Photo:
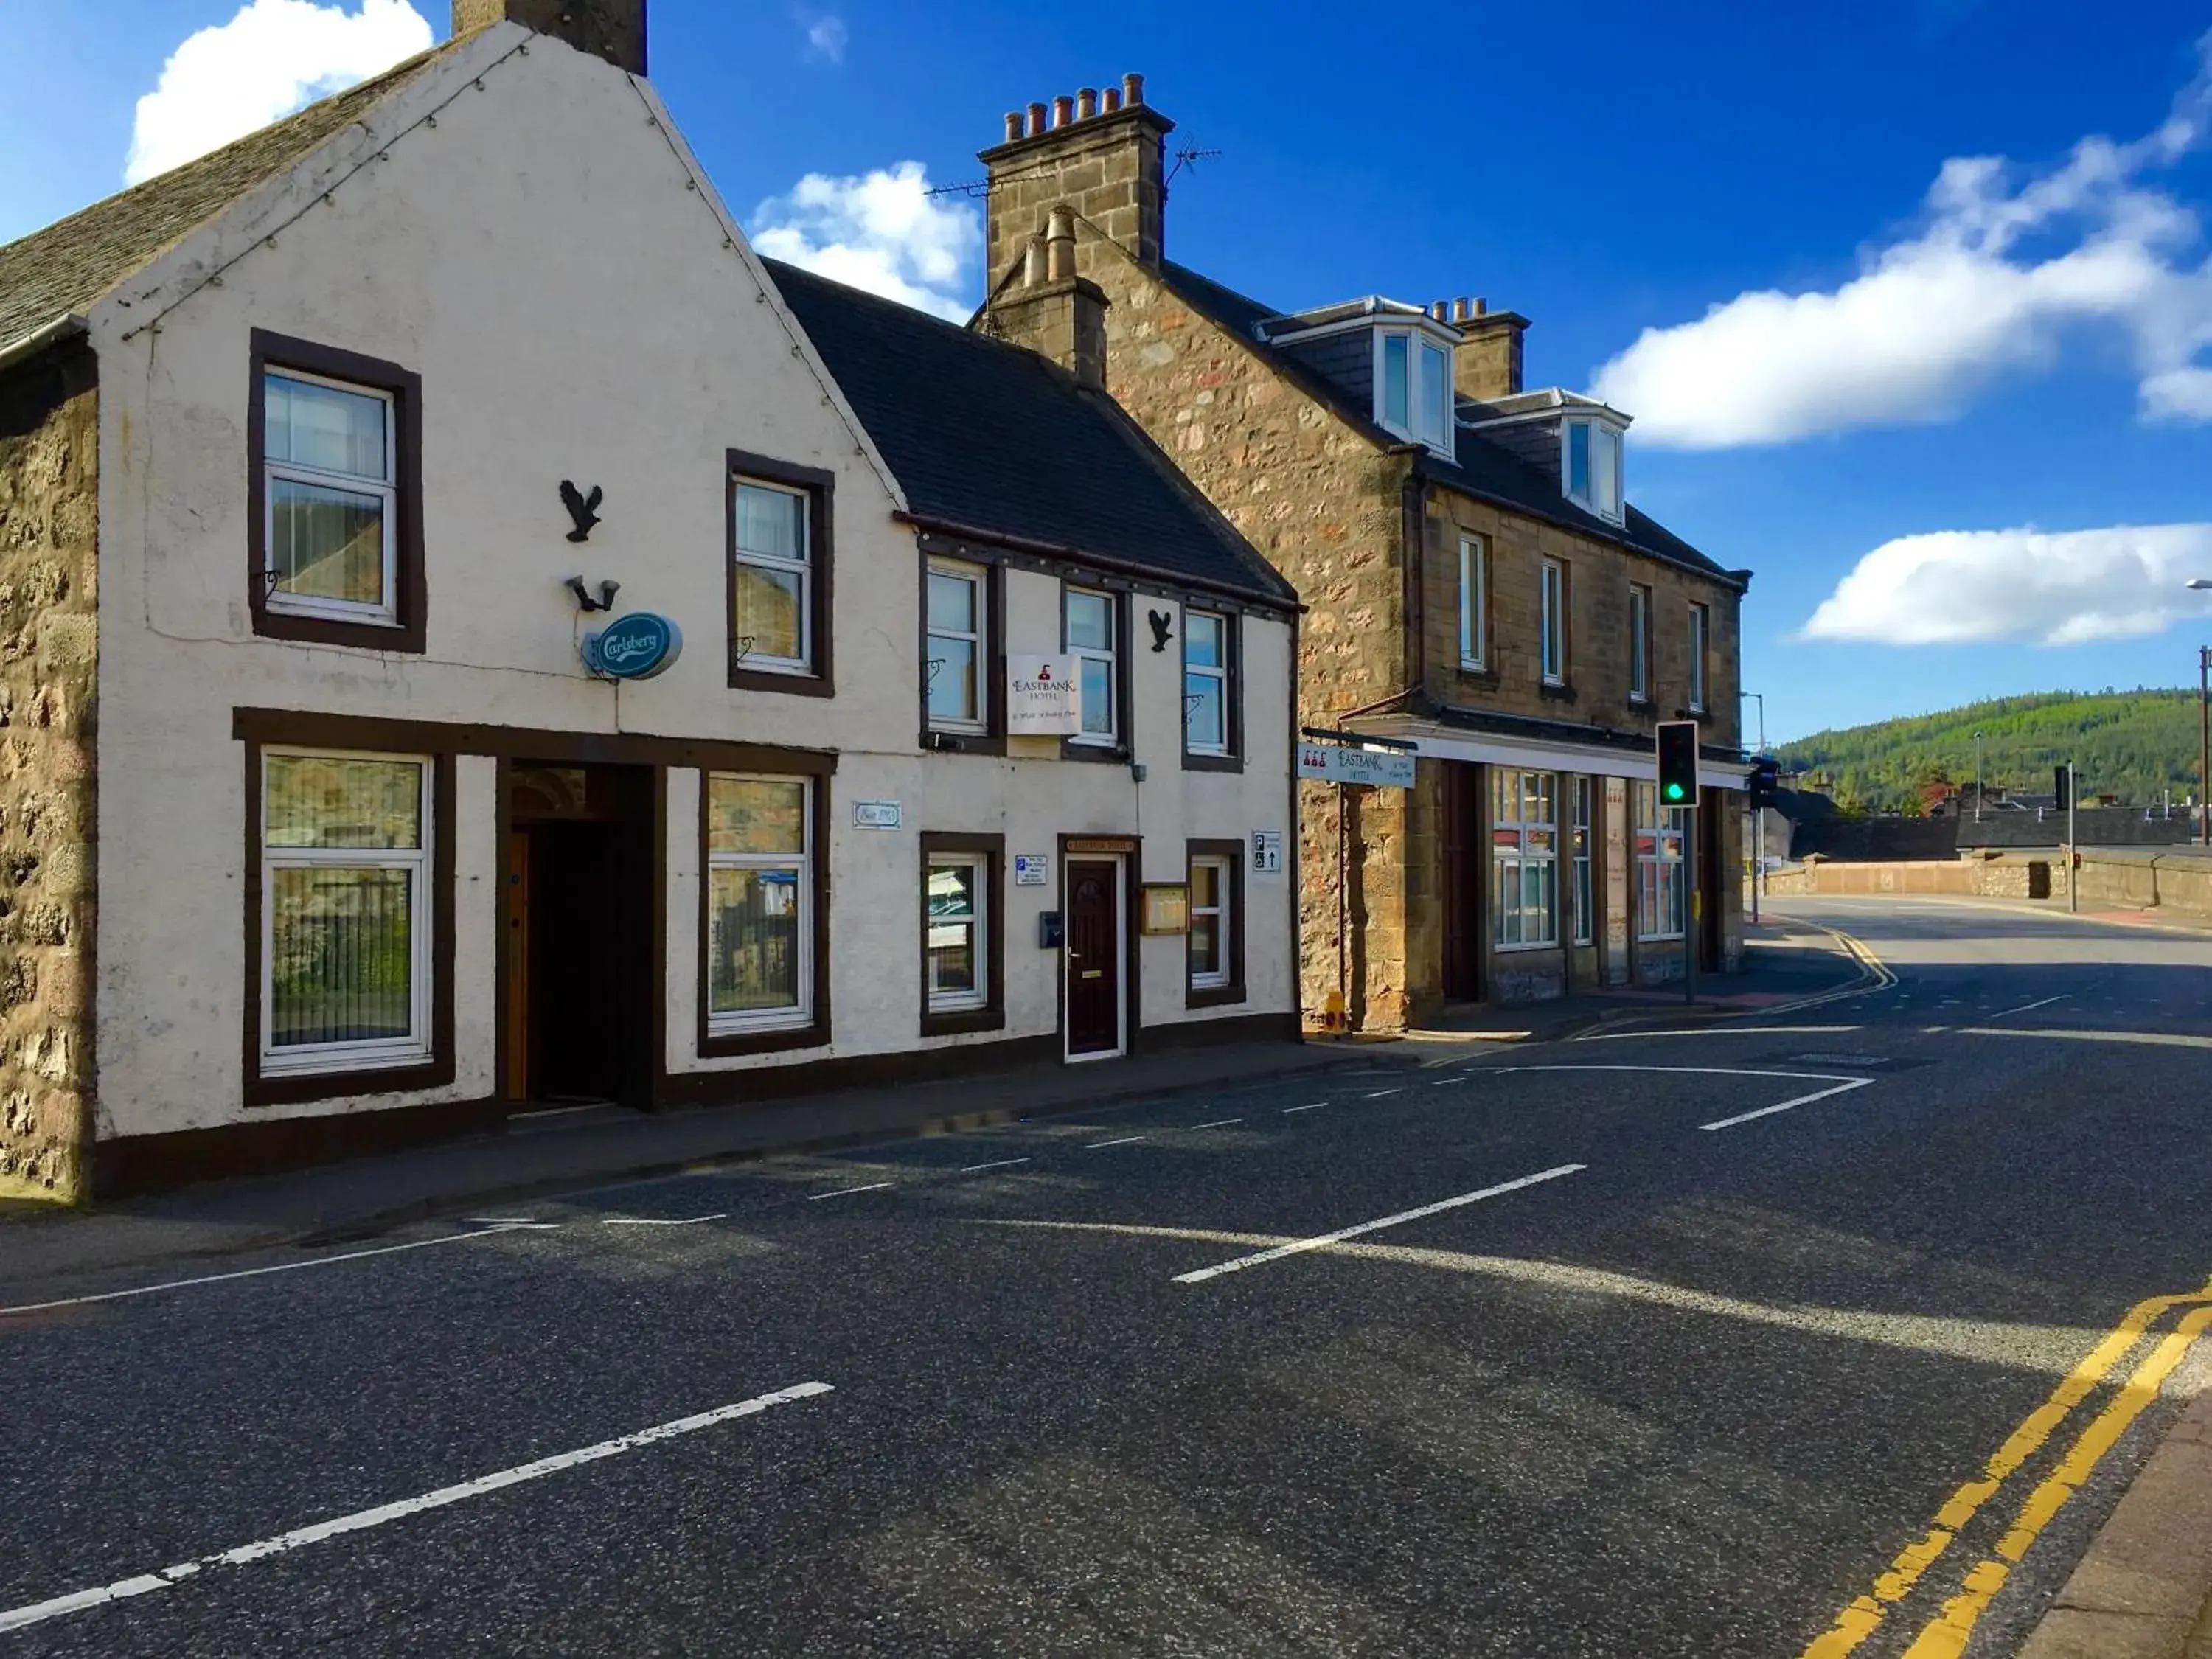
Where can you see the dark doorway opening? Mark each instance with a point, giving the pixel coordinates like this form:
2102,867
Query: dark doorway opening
1466,869
579,924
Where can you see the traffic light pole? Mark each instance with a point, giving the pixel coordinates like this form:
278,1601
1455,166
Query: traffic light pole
2073,847
1694,904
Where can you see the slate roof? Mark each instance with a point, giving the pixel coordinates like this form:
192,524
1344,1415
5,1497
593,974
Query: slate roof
991,435
63,269
1481,468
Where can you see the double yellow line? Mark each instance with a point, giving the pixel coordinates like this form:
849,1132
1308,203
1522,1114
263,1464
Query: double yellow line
1946,1635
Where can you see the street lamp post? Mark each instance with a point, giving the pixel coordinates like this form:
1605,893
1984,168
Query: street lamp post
1758,813
2203,731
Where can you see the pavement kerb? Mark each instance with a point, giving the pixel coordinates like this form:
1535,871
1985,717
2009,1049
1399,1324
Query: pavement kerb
445,1204
2144,1590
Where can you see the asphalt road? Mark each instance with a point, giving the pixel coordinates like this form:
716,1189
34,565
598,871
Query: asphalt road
1627,1369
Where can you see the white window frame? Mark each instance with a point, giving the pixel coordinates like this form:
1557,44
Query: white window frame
978,580
739,1021
1219,673
1224,876
1701,629
803,567
1473,603
1430,398
1552,640
1639,642
1536,844
1582,797
386,490
1111,738
977,922
296,1059
1606,495
1660,879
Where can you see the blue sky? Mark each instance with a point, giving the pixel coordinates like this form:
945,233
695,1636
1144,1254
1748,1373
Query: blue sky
2003,396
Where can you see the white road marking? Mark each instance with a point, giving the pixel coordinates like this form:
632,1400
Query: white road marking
1379,1093
1316,1107
2155,1039
283,1543
1001,1164
654,1221
846,1192
2025,1006
1240,1263
256,1272
1718,1031
1788,1105
506,1221
1126,1140
1218,1123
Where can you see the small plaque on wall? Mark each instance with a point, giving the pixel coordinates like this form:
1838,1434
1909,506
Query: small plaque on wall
1167,908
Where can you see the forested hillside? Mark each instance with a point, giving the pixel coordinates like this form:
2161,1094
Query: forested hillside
2131,743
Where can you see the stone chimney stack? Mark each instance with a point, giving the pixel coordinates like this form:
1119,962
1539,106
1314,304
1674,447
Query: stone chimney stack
1103,154
612,29
1050,309
1487,364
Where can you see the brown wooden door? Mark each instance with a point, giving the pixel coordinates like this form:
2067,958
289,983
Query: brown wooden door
1465,863
1094,957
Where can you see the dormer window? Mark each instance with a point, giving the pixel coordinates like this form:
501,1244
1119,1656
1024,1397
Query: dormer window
1589,465
1413,388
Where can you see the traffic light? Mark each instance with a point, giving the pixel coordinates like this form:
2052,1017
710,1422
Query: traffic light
1678,762
2061,786
1764,781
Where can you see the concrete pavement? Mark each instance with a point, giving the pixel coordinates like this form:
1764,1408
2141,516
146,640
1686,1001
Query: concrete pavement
1650,1343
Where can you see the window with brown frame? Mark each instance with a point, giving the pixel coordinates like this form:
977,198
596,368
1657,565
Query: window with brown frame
1213,949
334,528
963,934
780,558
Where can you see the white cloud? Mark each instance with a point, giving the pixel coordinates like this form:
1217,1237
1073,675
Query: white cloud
883,231
271,58
1991,282
1982,586
826,37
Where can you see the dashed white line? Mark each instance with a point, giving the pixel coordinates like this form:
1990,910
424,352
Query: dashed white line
1101,1145
1201,1275
846,1192
1000,1164
1316,1107
1788,1105
82,1601
1218,1123
2026,1007
256,1272
655,1221
1379,1093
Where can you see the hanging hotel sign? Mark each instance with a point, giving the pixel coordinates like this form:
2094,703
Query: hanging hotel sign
1042,699
636,646
1334,763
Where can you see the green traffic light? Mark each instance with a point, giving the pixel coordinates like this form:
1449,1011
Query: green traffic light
1676,792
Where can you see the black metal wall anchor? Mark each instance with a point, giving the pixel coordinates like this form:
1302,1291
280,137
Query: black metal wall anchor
586,602
583,509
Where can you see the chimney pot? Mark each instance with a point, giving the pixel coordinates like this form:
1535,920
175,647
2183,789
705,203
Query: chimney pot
1482,304
1110,99
1033,263
1133,89
1437,309
1013,123
1036,120
1459,309
1060,244
1086,103
1063,110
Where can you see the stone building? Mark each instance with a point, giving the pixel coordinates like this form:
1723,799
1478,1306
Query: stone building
1477,587
466,653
